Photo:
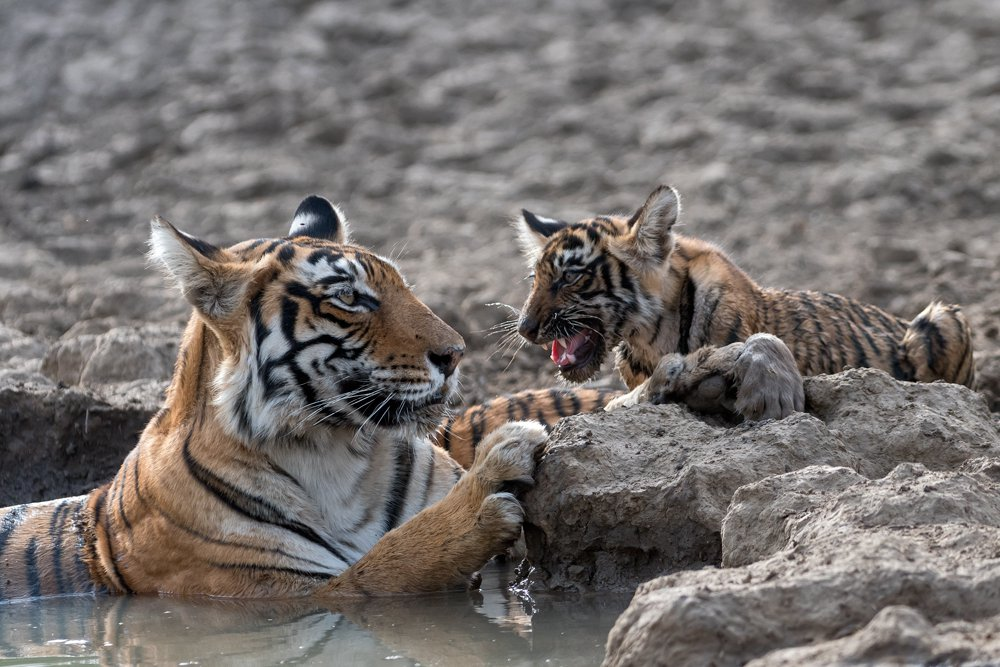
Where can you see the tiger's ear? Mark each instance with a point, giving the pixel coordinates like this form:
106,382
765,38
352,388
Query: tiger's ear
210,278
533,232
318,218
649,238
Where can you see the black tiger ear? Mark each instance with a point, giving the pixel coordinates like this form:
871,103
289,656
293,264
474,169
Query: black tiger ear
318,218
533,232
650,238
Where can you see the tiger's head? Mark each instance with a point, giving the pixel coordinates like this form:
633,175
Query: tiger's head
594,280
313,331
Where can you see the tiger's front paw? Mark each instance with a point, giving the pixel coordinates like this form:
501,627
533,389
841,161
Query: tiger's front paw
770,385
499,521
505,460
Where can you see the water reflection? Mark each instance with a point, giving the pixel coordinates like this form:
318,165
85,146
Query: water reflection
493,626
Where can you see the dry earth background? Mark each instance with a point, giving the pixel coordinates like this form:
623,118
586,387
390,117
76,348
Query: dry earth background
844,146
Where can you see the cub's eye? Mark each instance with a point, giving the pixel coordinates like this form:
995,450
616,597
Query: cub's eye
531,277
346,295
571,276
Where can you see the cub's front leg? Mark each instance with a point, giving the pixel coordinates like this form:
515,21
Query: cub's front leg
757,379
447,542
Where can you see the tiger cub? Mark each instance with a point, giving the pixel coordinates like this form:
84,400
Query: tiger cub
634,285
293,456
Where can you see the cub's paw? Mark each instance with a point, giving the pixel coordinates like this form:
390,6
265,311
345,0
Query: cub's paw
659,387
770,385
499,521
506,457
638,395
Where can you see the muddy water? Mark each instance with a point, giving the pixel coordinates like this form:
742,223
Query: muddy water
490,627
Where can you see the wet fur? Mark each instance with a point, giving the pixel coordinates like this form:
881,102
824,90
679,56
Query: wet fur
292,456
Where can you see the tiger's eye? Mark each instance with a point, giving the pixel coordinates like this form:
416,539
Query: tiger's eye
347,297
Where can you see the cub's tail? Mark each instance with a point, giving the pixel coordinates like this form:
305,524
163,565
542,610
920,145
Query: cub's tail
938,344
460,433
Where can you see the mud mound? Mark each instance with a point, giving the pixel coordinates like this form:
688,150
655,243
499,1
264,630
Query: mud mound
624,496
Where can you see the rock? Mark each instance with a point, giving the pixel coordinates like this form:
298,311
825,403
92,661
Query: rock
57,442
988,377
121,354
899,635
755,525
17,348
623,496
631,494
927,540
885,422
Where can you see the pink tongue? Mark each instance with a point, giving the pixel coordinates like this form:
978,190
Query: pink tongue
567,356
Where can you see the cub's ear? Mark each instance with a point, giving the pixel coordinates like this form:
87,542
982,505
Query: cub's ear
209,277
650,239
533,232
318,218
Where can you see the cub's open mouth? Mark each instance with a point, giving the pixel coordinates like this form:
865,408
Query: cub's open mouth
574,352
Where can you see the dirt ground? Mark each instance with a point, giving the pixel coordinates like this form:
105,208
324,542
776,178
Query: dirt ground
844,146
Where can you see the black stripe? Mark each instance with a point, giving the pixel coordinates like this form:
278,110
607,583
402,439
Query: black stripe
205,537
123,475
686,311
859,350
56,527
574,399
255,567
248,505
272,246
286,254
704,336
400,482
933,341
429,479
896,368
556,398
511,416
446,434
476,424
734,331
101,514
31,568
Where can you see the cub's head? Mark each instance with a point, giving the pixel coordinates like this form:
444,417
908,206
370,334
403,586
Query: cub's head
313,332
592,278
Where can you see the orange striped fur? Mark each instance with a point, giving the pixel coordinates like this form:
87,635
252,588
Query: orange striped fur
461,433
293,455
633,285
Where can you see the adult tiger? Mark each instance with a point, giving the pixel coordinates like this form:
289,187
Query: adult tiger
292,455
634,285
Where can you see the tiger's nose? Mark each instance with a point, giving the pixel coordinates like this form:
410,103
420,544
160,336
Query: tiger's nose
446,360
528,328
